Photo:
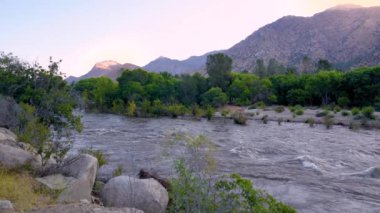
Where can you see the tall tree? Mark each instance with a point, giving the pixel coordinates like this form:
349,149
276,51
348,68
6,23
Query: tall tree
219,70
260,68
324,64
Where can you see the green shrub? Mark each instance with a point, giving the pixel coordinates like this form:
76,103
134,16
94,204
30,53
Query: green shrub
131,109
337,109
98,154
299,112
240,118
343,101
196,111
355,111
368,112
210,112
118,171
345,113
176,110
279,109
310,121
260,105
328,121
225,112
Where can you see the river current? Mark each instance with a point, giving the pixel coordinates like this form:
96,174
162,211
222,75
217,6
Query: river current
313,169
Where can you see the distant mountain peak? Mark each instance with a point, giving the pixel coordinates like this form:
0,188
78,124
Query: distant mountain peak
346,7
107,64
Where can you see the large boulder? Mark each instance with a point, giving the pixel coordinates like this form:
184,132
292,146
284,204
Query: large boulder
145,194
81,166
7,137
6,206
76,177
10,112
82,207
12,157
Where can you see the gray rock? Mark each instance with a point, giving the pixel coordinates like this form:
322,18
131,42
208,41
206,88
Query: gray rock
9,112
83,207
77,191
6,206
145,194
12,157
7,137
56,181
82,166
76,176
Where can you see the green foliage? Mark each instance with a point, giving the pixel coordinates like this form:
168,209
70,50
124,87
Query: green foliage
218,68
310,121
337,109
98,154
260,105
176,110
328,121
210,112
368,112
355,111
118,106
118,171
131,109
214,97
225,112
279,109
240,118
196,190
322,114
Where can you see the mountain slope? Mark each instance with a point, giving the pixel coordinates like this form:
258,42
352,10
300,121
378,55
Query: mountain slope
347,37
111,69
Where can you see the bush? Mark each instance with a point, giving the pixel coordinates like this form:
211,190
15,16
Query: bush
310,121
337,109
328,121
345,113
131,109
98,154
279,109
299,112
240,118
210,112
260,105
196,111
368,112
118,171
225,112
354,125
355,111
176,110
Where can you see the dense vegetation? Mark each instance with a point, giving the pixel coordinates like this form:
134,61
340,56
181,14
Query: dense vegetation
139,92
47,119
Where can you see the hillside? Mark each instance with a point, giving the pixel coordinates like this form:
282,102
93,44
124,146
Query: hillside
346,35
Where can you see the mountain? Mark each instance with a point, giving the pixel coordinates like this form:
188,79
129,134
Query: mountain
346,35
190,65
109,68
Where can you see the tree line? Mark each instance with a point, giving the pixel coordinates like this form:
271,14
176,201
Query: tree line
145,93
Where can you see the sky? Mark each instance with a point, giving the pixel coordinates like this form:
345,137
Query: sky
84,32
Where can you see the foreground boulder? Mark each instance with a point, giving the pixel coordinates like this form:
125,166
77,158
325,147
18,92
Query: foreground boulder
10,113
7,137
6,206
88,208
13,158
145,194
75,177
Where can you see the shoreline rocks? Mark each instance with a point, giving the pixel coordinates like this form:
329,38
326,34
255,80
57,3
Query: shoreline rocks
145,194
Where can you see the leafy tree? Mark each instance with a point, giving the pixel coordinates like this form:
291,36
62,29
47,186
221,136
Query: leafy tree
274,67
260,68
214,97
218,68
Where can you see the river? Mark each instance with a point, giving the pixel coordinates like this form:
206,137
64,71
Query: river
313,169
